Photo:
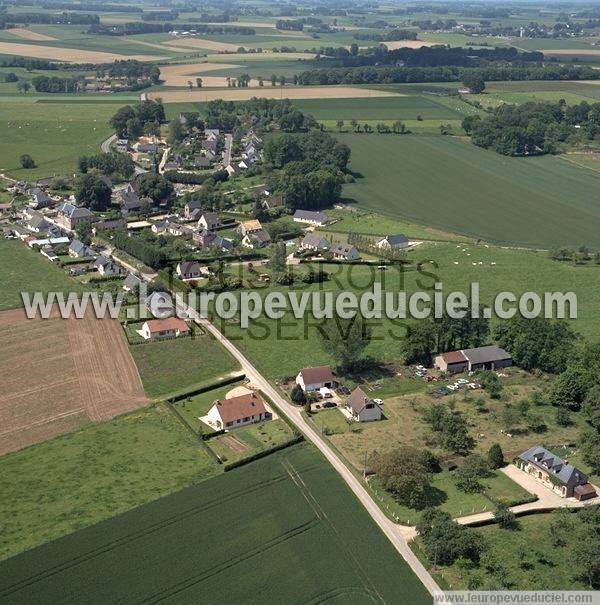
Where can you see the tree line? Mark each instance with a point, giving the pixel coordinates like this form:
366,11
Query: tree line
398,75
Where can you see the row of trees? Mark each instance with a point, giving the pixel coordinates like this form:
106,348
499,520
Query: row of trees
129,122
110,164
492,72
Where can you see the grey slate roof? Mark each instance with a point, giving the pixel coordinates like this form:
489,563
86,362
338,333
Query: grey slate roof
397,240
72,211
358,400
342,249
131,281
309,215
566,473
315,240
486,354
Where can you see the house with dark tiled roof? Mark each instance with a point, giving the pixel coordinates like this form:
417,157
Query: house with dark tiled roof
191,270
256,239
313,379
131,282
209,221
106,267
393,242
39,199
344,252
555,473
78,249
69,216
318,219
361,407
315,242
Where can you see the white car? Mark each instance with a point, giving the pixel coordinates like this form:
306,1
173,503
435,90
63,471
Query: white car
378,401
462,381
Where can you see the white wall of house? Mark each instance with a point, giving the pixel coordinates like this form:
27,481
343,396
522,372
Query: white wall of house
314,386
215,418
369,413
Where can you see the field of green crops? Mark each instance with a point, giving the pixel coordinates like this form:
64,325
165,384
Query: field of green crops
280,530
450,184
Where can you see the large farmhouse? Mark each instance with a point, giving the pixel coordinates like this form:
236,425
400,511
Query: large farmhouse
490,357
556,474
237,411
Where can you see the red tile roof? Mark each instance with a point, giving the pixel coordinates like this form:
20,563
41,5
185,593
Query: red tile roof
317,375
163,325
454,357
238,408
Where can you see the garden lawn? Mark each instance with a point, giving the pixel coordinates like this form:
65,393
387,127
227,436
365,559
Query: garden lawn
450,184
182,364
67,483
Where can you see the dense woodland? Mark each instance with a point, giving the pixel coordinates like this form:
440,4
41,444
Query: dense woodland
534,128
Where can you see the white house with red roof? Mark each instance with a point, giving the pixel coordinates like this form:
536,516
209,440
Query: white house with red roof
158,329
227,414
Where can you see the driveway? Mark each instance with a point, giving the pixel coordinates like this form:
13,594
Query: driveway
546,498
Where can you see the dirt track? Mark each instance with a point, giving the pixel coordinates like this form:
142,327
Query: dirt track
269,92
202,43
59,374
178,75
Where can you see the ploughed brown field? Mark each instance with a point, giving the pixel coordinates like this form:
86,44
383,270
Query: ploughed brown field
60,374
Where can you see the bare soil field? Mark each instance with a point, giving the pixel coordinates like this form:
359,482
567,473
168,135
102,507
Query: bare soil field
579,52
60,374
243,94
178,75
69,55
27,34
202,43
393,45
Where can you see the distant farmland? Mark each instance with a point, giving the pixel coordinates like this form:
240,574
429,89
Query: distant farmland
453,185
283,529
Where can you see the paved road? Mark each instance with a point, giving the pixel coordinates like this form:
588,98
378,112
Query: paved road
389,528
105,145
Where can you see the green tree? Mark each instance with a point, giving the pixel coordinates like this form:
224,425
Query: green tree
455,435
297,395
345,340
467,476
495,456
199,82
92,192
591,407
84,232
26,161
176,133
402,473
475,82
277,262
155,186
505,517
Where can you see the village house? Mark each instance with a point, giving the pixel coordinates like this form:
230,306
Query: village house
160,329
191,270
256,239
209,221
313,379
317,219
160,303
49,253
272,202
37,223
556,474
108,225
249,227
361,407
233,413
122,145
393,242
78,249
314,242
489,357
69,216
132,281
39,199
106,267
207,239
176,229
344,252
200,161
191,209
